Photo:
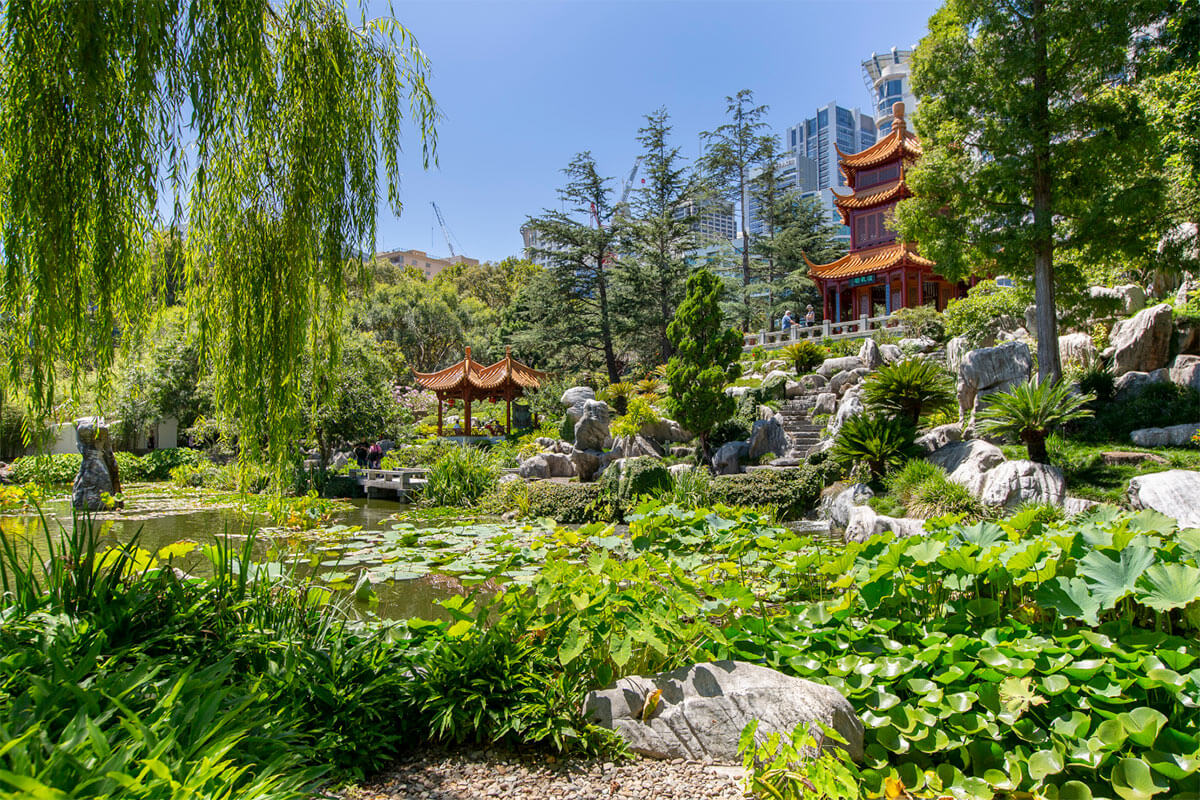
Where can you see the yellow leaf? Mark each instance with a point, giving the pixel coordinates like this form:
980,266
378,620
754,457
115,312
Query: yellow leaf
893,788
650,704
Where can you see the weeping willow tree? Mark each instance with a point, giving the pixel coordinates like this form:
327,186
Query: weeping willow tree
264,130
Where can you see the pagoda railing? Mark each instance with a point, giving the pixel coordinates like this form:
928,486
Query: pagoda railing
860,328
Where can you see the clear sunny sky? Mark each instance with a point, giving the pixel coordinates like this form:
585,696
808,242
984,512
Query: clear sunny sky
525,84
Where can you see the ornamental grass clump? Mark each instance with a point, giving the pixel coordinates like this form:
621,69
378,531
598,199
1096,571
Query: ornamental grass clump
1029,412
460,477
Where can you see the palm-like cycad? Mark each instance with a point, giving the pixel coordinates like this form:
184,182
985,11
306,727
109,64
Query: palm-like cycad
881,443
804,355
1031,411
909,388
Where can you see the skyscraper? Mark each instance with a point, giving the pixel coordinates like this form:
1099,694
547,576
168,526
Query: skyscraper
888,81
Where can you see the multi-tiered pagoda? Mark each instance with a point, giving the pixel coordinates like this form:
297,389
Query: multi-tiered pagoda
880,273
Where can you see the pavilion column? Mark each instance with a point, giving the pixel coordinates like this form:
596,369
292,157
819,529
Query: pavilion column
439,402
467,407
837,298
904,288
508,412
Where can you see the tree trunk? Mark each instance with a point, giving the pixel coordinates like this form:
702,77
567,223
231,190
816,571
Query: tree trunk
1049,367
610,355
1035,447
745,250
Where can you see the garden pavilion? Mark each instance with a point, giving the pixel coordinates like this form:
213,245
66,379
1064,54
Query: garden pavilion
469,380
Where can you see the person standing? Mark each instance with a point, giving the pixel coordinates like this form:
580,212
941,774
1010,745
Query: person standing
810,317
374,456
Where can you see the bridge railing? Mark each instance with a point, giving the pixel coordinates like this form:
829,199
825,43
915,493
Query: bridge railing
860,328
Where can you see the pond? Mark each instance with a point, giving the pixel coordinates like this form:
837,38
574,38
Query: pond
157,516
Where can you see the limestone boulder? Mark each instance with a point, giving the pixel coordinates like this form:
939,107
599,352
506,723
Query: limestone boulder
1012,483
831,366
891,353
1074,506
637,445
586,463
956,349
937,438
98,474
767,436
1170,436
825,403
1174,493
850,405
1078,348
666,431
842,504
679,469
865,523
1129,298
991,369
729,457
773,364
591,430
560,464
702,709
870,355
737,392
793,389
1131,384
534,468
968,462
920,344
842,381
573,399
813,382
1185,371
1142,342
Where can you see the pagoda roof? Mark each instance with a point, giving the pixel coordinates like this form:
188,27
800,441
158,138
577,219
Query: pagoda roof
484,379
897,144
893,190
869,259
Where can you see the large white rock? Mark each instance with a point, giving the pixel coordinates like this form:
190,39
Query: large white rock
844,502
831,366
956,349
561,465
864,523
891,352
991,369
1142,342
729,456
1130,297
920,344
586,463
1175,493
637,445
870,355
703,708
534,468
573,399
767,436
851,405
1185,371
968,462
839,383
813,381
1012,483
1131,384
1170,436
666,430
937,438
825,403
591,430
1078,348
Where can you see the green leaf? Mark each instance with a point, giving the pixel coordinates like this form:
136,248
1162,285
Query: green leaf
1044,763
1074,790
573,644
1143,724
1070,597
1111,579
1167,586
1133,779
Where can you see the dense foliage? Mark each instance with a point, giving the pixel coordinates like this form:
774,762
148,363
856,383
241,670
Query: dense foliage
1031,411
909,389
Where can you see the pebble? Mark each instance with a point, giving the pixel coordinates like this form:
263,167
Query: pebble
481,775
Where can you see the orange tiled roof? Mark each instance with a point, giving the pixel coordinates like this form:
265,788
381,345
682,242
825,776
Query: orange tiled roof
869,259
480,377
899,141
894,190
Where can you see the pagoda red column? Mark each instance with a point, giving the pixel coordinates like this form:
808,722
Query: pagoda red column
439,402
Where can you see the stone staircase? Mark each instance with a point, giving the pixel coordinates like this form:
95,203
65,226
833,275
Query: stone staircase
802,432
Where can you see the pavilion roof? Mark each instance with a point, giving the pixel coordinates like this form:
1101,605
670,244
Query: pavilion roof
483,379
869,259
898,143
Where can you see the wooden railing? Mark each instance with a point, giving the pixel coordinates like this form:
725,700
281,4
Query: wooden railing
859,328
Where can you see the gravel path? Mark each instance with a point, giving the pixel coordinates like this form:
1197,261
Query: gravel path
494,774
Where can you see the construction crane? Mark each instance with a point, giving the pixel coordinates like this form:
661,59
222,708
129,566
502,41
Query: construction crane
629,181
445,230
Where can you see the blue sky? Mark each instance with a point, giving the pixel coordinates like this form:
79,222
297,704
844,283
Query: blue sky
524,85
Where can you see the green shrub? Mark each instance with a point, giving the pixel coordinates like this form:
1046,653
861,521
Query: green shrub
922,321
805,355
566,429
876,443
791,492
568,503
418,454
157,464
937,495
47,470
975,315
1156,406
638,414
902,482
691,488
1098,381
1029,412
909,389
460,477
640,477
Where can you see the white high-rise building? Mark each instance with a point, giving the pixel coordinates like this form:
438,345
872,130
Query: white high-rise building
888,78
